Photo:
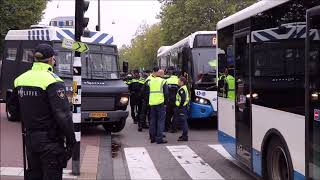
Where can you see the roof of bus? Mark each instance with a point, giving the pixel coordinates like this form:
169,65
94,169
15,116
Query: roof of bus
51,33
252,10
188,40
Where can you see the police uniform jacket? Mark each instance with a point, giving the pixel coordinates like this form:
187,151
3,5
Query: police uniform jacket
40,101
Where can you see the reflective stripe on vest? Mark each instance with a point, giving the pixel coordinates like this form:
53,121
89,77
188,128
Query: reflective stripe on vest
156,96
178,97
39,76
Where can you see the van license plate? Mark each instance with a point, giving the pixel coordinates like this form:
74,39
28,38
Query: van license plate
98,115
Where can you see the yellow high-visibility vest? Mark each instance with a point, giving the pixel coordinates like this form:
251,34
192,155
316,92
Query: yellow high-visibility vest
156,96
178,97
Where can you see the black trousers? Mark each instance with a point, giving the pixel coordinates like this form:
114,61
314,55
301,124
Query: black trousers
169,116
134,107
46,160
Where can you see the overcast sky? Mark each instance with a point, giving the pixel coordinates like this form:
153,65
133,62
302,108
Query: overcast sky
127,15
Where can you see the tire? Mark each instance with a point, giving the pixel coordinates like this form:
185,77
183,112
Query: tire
10,116
115,127
279,164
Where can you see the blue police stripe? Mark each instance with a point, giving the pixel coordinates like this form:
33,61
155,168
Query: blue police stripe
59,36
92,34
38,35
293,35
102,36
268,36
29,35
47,33
109,41
69,33
33,35
42,35
302,32
256,38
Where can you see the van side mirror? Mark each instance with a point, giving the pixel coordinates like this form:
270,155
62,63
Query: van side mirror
125,66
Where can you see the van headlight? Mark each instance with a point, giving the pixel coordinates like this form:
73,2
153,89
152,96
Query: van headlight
202,100
124,100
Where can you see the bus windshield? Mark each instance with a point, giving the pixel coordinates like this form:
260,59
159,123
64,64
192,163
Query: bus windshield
202,69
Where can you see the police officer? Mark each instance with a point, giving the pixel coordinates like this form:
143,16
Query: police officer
172,83
156,90
40,101
229,85
135,91
181,111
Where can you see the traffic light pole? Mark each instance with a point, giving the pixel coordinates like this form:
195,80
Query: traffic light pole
76,115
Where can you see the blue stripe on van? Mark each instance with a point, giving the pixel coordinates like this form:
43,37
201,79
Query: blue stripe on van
69,33
59,36
33,35
38,35
47,33
29,35
109,41
102,36
92,34
42,35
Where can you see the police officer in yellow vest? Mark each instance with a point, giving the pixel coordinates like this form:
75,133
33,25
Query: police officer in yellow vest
156,90
181,111
229,85
40,101
172,83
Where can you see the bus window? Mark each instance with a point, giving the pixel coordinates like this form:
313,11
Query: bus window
27,55
11,54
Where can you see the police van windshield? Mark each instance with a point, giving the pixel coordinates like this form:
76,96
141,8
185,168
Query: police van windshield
95,64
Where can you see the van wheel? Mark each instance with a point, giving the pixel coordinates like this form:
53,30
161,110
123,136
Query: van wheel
10,115
115,127
279,164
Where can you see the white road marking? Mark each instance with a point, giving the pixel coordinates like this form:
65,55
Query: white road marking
193,164
140,164
18,171
220,149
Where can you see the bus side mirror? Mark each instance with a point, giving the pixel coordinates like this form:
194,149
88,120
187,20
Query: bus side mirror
125,66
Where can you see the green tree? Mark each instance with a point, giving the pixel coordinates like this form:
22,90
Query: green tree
180,18
19,14
142,52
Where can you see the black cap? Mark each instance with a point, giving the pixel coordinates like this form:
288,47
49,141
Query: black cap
43,51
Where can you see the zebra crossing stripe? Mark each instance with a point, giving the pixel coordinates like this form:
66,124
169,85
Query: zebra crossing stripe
140,164
219,148
195,166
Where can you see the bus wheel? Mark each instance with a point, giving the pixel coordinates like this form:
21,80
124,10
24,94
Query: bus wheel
279,166
10,116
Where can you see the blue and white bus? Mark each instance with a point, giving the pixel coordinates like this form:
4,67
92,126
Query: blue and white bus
192,56
272,127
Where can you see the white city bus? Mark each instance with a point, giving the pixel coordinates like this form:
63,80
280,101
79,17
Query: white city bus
192,55
273,125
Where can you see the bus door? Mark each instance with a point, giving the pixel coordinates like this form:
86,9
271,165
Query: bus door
242,102
313,93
